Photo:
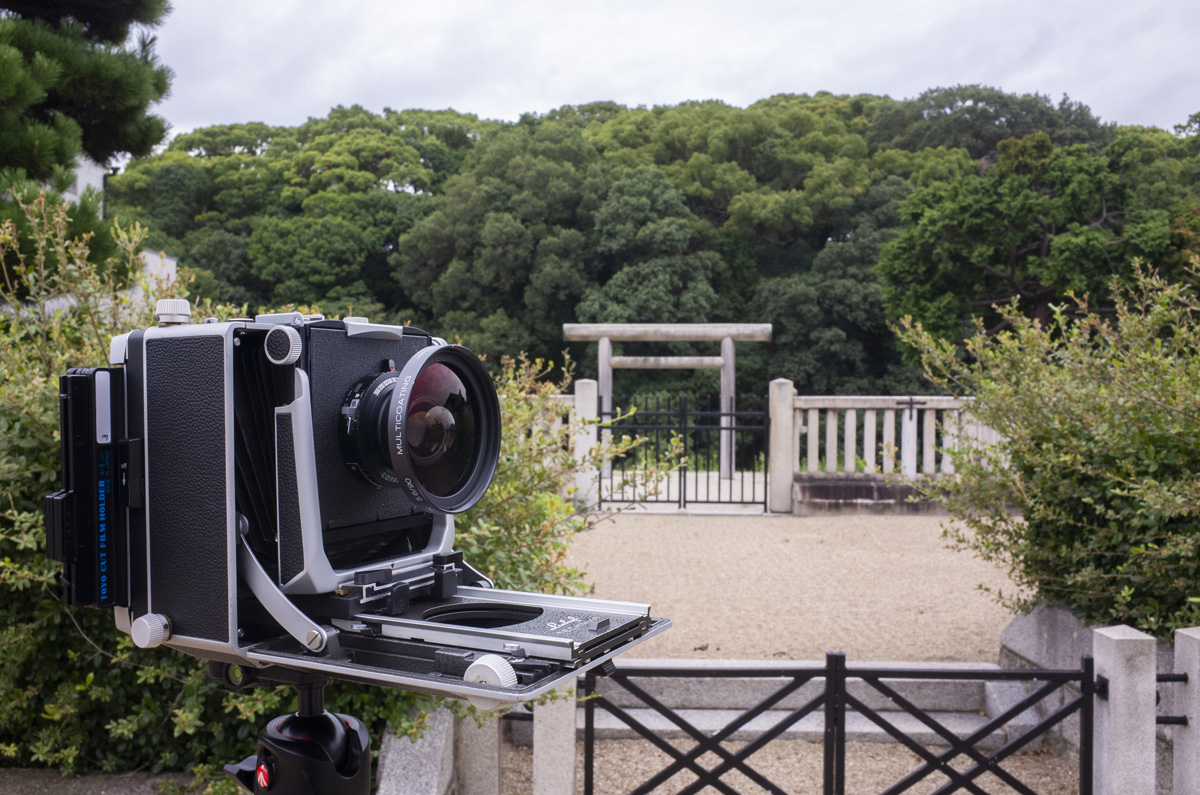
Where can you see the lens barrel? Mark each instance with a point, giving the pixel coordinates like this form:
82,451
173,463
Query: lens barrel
432,428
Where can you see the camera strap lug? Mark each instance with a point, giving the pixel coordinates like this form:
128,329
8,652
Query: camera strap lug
309,633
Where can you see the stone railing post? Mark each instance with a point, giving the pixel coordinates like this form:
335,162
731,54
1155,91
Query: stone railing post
477,756
554,747
780,466
1125,743
584,439
728,398
1187,702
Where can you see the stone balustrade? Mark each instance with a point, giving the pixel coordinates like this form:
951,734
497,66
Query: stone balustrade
867,435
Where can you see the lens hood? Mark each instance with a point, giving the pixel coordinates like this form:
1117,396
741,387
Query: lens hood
443,429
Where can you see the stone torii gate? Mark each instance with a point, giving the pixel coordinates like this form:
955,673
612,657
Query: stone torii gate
725,333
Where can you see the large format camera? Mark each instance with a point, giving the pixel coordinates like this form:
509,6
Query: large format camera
278,493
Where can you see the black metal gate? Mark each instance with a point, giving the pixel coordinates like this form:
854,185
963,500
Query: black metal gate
835,700
702,424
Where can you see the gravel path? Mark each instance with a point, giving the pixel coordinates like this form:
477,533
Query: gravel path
784,587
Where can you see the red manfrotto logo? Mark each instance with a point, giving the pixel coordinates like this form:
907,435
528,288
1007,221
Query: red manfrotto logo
264,778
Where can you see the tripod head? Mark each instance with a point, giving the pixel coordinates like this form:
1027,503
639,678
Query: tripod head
309,752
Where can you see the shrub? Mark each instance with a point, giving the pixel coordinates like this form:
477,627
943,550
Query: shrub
1099,422
74,693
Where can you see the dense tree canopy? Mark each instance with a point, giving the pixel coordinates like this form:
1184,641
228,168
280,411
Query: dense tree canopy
781,212
1043,222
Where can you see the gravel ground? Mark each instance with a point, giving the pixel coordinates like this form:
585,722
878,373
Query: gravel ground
784,587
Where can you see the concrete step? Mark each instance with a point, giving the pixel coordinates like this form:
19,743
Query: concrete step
703,692
711,703
810,728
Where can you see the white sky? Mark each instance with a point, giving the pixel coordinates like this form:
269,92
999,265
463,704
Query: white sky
283,61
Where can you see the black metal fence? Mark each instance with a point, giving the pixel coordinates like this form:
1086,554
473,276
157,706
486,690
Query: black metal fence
836,701
701,424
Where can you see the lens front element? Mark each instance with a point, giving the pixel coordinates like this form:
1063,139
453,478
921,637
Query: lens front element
441,430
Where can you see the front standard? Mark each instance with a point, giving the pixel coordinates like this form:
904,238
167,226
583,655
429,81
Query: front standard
276,495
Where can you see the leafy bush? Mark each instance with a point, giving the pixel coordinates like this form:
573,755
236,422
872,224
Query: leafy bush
1099,423
77,695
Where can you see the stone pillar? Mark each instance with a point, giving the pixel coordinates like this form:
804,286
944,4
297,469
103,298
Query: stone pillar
1125,744
1187,702
583,439
605,374
782,461
908,442
424,767
554,747
477,751
728,392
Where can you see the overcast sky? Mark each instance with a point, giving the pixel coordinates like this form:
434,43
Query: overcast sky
283,61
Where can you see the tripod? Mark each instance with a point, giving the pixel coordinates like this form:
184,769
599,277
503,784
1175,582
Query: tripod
309,752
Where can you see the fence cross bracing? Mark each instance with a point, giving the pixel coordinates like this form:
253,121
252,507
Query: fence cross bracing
795,700
724,449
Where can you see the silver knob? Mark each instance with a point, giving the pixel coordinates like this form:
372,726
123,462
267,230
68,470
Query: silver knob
490,669
150,630
282,345
172,311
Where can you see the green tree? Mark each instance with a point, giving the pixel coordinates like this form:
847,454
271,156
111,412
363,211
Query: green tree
70,84
1099,442
977,118
501,261
1043,222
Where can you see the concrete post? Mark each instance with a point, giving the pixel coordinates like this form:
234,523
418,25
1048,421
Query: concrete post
869,440
554,747
1187,702
728,391
606,395
850,442
583,439
831,447
424,767
908,442
781,464
605,373
889,440
477,753
928,442
1125,744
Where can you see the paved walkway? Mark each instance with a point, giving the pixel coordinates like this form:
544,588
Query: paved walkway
784,587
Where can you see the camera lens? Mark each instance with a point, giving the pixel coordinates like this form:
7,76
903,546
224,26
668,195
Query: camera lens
441,430
431,429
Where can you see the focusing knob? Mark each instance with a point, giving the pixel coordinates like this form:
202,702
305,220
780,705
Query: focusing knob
282,345
172,311
150,630
490,669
